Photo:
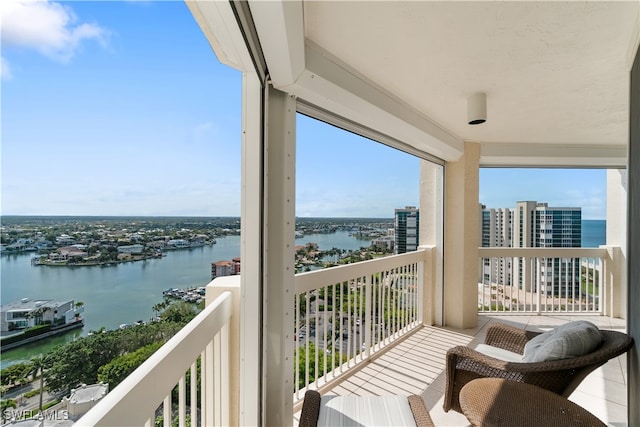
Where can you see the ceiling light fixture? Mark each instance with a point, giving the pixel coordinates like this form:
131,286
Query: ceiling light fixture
477,108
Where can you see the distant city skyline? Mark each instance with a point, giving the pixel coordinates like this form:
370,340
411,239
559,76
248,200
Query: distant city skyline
109,116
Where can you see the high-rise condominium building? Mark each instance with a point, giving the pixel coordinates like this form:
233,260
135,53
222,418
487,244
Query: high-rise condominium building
533,225
407,222
496,231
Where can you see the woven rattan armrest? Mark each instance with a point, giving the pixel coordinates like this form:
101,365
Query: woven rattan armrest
310,409
508,337
420,412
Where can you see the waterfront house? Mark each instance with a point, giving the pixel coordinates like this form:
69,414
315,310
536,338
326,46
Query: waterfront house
131,249
29,312
460,85
177,244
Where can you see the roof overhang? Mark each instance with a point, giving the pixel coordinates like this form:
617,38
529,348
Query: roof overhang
556,74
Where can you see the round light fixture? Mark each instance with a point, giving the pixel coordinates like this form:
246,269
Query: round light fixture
477,108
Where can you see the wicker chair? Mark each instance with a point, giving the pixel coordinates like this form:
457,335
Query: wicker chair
464,364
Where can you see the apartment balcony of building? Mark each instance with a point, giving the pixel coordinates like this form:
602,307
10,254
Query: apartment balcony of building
558,85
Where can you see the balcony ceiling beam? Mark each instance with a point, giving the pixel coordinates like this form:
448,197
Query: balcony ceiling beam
280,27
552,155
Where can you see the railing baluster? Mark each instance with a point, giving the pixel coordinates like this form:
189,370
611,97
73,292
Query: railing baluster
193,385
368,314
217,378
556,280
325,336
182,402
203,389
166,411
296,347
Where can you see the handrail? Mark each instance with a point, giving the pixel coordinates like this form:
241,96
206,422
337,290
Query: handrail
484,252
308,281
136,399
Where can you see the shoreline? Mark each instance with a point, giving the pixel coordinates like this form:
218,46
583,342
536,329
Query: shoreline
39,262
52,333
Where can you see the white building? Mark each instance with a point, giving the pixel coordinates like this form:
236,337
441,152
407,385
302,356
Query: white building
29,312
496,231
531,225
84,398
131,249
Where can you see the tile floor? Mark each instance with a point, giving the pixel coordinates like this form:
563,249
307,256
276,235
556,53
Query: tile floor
416,366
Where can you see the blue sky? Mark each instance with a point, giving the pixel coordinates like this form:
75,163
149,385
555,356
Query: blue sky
121,108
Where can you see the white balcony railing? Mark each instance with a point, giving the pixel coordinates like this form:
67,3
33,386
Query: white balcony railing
345,314
540,280
202,345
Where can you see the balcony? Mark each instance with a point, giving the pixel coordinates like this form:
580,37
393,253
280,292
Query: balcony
362,330
401,74
416,366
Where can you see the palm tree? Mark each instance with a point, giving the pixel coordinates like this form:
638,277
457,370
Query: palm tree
23,378
156,308
37,366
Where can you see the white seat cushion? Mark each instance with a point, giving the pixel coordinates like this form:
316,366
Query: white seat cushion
499,353
365,411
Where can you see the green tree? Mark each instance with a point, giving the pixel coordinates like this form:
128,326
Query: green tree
179,312
78,361
11,374
119,368
308,360
5,405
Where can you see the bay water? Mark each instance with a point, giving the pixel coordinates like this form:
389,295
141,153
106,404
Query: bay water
125,293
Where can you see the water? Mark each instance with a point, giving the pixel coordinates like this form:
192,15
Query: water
594,233
123,293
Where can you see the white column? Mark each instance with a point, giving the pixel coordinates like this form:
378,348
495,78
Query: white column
251,244
615,301
431,236
461,203
278,257
214,289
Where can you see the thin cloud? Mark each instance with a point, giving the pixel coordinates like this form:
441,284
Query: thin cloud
48,27
5,70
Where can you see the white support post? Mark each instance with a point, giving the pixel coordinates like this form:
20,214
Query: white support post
248,410
230,375
431,236
461,237
278,259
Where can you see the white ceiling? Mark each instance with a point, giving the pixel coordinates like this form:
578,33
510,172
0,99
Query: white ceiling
554,72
